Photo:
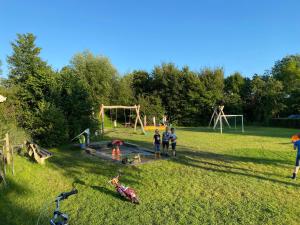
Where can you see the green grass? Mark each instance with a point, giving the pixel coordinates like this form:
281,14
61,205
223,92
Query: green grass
216,179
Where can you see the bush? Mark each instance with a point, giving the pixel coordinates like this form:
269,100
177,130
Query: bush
285,122
49,127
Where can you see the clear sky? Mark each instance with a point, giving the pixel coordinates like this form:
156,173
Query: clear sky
239,35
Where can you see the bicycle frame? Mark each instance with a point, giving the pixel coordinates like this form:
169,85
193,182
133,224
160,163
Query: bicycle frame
60,218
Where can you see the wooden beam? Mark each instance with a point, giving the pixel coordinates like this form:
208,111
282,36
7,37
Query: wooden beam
118,107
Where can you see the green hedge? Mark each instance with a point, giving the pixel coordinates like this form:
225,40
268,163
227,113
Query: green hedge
285,122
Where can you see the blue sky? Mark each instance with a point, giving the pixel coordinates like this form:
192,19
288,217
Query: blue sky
246,36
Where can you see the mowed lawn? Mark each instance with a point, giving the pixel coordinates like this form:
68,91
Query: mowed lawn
232,178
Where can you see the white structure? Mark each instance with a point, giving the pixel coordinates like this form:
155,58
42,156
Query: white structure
85,132
219,116
2,98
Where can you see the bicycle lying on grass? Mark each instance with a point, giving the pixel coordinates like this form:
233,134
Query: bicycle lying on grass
125,192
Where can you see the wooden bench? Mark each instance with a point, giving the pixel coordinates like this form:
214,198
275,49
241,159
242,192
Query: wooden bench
37,153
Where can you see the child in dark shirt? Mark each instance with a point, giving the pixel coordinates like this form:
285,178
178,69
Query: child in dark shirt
166,141
156,143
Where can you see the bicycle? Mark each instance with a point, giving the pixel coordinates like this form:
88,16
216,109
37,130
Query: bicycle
60,218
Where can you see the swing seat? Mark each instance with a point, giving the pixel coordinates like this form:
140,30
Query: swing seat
127,124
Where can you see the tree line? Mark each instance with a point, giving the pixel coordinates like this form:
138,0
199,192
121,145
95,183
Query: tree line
53,106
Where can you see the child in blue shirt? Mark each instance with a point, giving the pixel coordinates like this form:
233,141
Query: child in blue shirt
297,147
173,138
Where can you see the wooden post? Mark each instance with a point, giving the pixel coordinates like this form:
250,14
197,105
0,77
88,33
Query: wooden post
139,118
136,118
221,125
154,121
213,116
4,160
12,160
145,120
7,149
222,113
102,119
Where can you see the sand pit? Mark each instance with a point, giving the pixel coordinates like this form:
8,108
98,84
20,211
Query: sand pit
130,153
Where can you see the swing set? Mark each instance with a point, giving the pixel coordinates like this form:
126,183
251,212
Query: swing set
128,119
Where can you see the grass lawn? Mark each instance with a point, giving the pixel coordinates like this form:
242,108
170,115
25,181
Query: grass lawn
216,179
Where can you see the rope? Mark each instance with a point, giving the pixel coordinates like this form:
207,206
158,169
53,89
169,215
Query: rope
125,117
111,119
130,116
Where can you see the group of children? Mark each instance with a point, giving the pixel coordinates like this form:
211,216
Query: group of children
167,136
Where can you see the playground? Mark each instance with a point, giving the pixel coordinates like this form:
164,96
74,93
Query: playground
229,178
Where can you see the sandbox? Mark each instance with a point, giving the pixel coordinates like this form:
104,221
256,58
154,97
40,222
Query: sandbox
130,153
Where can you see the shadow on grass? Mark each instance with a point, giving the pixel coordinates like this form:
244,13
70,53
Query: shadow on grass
223,163
107,191
10,212
224,169
249,131
75,164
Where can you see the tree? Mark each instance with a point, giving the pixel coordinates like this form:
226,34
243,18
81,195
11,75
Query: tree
287,70
98,73
234,85
123,93
267,98
75,101
166,84
213,81
0,68
35,84
141,82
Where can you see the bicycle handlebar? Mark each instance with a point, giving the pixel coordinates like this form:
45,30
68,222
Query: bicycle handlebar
65,195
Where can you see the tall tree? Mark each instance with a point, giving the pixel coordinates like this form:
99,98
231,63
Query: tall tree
234,85
123,91
34,81
166,80
99,74
267,98
287,70
75,101
141,82
213,81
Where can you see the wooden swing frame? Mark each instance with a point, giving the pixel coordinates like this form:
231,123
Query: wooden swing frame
135,108
218,115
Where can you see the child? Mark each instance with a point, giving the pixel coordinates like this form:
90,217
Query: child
297,146
156,143
82,141
166,140
173,141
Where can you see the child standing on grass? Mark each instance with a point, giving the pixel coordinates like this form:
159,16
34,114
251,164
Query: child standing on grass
166,140
156,143
297,164
173,141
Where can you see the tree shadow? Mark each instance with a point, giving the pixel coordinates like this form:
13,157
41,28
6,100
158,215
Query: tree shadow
224,163
249,131
75,163
207,166
10,212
